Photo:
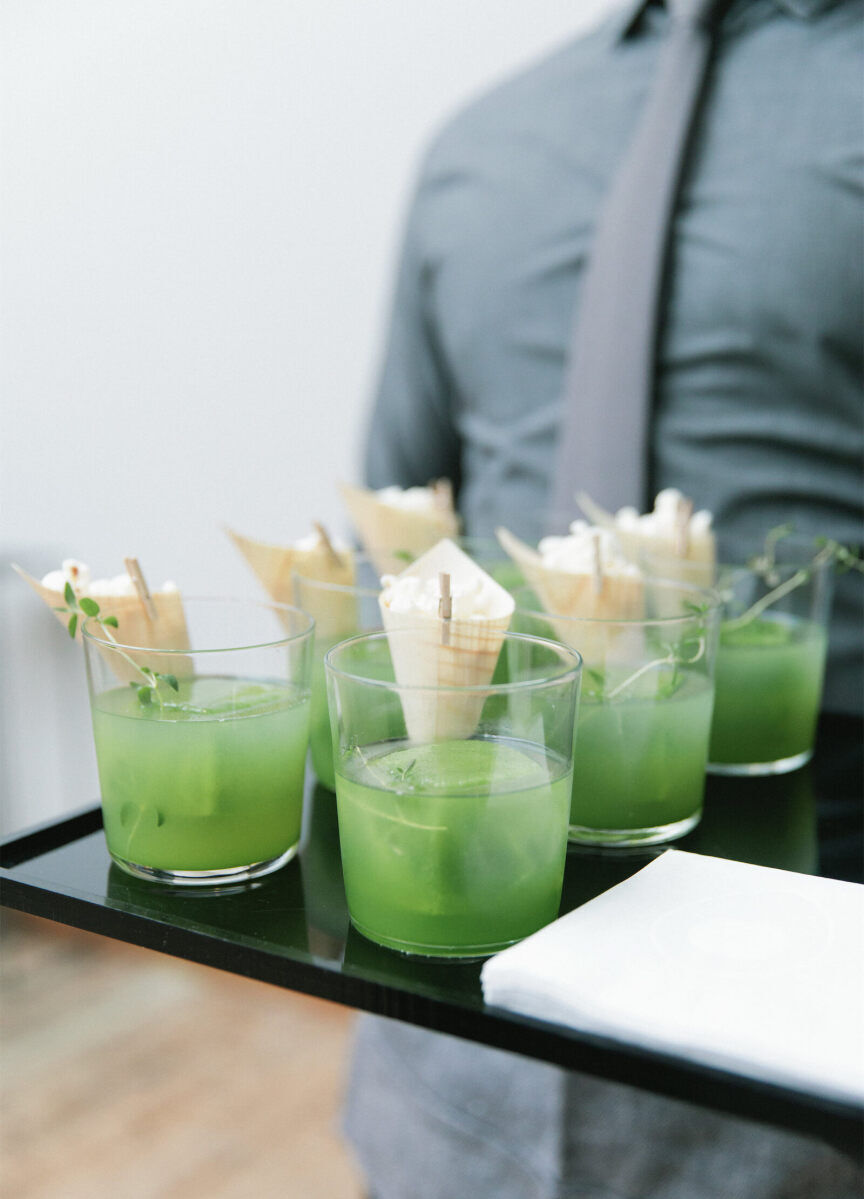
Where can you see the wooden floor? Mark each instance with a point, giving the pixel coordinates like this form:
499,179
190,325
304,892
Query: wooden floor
128,1073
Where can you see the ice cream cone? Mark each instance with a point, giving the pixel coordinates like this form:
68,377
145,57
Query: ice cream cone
594,597
389,533
665,547
455,653
617,597
276,566
134,627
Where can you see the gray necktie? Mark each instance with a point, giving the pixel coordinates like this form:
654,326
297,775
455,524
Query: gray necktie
603,440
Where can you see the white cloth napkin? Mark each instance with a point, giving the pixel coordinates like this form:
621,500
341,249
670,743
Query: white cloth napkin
750,969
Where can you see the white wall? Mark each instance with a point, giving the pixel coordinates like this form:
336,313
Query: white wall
199,212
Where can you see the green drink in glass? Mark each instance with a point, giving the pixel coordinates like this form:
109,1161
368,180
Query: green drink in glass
213,783
770,655
430,834
453,847
645,713
640,763
769,686
202,773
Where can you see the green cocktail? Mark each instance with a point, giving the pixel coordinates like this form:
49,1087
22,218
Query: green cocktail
212,782
639,767
454,848
769,684
771,652
453,842
201,750
645,711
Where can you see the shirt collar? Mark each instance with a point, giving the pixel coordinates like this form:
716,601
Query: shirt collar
627,18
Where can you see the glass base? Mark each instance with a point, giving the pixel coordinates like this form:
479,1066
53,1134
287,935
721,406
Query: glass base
627,837
460,953
754,769
205,878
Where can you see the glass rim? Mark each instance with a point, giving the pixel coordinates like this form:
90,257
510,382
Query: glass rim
571,672
272,605
798,561
711,593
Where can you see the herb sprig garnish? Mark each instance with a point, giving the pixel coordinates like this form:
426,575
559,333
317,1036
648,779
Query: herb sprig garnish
149,691
676,657
764,565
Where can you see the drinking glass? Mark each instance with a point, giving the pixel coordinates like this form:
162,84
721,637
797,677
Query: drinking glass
645,712
770,658
201,761
453,847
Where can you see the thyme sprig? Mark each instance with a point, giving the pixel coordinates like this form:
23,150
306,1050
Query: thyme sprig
149,691
764,565
674,658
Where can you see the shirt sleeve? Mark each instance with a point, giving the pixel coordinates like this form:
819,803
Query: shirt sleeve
411,437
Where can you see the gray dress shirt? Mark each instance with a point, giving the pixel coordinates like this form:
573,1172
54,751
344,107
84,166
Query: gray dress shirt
758,407
757,416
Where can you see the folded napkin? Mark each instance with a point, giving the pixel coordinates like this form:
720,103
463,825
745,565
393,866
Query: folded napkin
754,970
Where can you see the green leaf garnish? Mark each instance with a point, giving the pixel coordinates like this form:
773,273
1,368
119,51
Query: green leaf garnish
403,556
695,609
764,565
148,691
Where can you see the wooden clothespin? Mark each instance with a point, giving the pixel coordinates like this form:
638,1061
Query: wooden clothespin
445,606
682,526
597,574
135,573
328,544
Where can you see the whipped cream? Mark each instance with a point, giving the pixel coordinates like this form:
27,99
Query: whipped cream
477,599
411,499
574,554
78,574
665,519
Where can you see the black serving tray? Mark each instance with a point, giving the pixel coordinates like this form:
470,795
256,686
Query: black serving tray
291,928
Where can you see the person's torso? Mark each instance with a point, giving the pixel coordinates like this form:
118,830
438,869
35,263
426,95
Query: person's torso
758,409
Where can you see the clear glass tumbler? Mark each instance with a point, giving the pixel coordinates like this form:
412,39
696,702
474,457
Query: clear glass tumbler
770,657
454,847
201,752
645,712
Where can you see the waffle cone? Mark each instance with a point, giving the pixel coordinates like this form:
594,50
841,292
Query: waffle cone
464,656
167,631
387,532
700,552
576,597
276,565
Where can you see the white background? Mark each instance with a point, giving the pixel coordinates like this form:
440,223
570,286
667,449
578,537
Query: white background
201,208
